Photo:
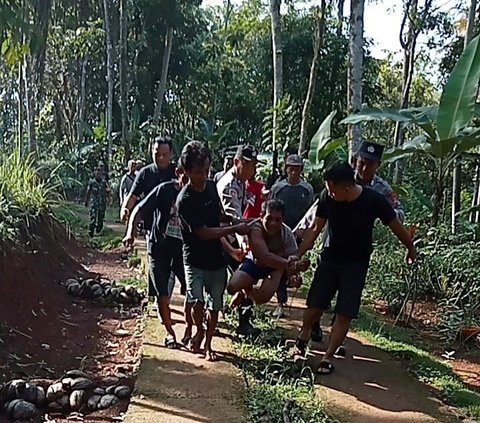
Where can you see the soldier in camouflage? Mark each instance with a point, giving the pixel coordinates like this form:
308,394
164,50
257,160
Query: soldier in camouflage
98,196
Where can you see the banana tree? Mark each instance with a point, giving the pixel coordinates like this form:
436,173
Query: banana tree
443,131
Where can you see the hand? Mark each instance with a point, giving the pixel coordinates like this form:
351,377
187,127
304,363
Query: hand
128,240
302,265
293,258
411,254
124,213
238,254
242,229
295,281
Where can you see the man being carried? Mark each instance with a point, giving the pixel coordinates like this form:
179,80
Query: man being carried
297,195
199,209
100,194
234,197
271,242
164,248
127,181
351,211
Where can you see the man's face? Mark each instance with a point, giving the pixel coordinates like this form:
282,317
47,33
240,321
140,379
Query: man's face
198,174
161,155
272,221
227,164
294,172
366,168
132,167
99,172
246,168
339,192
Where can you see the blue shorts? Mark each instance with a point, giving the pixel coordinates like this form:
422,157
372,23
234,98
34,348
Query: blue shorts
206,286
254,270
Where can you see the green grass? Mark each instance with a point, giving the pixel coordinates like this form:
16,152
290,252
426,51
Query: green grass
138,283
276,385
405,345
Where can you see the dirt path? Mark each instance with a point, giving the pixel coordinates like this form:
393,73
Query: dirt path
368,386
176,386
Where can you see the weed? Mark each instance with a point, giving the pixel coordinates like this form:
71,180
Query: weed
138,283
134,261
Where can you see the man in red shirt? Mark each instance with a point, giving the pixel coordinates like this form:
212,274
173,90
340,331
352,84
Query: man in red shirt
255,198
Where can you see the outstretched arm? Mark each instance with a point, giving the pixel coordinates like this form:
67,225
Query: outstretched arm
261,253
310,236
404,237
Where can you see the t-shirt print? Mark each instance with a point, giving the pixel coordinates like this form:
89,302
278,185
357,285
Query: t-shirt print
174,225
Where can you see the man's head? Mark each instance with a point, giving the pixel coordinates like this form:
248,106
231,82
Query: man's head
245,162
195,160
139,164
227,163
294,168
182,177
272,216
161,148
98,173
132,166
340,181
368,160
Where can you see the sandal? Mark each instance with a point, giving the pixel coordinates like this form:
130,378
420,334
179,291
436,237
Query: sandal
325,368
341,351
171,343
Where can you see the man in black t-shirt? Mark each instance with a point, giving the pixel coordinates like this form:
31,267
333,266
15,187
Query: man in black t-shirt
164,248
199,209
351,211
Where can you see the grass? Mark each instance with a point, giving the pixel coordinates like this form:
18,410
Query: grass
75,218
404,345
277,388
138,283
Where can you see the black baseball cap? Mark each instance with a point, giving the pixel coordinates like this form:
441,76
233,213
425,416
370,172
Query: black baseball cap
247,152
370,150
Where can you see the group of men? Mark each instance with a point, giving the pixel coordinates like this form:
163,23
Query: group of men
202,231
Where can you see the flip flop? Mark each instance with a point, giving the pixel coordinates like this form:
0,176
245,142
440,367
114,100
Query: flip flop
170,343
325,368
341,351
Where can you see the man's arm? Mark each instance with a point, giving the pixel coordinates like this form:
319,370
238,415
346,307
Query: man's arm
128,204
404,237
87,194
135,217
261,253
310,235
217,233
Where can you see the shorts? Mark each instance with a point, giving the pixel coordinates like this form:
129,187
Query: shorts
206,286
254,270
160,265
348,279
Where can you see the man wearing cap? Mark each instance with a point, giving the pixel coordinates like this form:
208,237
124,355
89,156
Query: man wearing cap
366,163
234,198
227,165
127,180
297,195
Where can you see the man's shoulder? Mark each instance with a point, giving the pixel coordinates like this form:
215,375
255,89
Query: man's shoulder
306,185
372,194
228,180
379,183
277,186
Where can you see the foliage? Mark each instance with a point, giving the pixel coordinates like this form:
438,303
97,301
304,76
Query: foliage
278,388
425,367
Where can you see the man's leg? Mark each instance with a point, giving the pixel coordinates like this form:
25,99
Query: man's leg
214,287
282,296
91,226
339,332
165,314
264,293
179,271
239,282
195,279
100,219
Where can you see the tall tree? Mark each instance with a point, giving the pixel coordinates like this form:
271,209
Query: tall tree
123,75
413,22
355,72
277,62
110,81
317,45
162,87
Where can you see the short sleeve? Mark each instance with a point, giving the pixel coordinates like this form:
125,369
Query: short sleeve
384,210
322,211
231,202
138,187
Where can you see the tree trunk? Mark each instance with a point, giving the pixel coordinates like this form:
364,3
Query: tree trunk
317,45
20,106
29,113
123,76
340,10
162,87
110,82
277,63
457,170
355,72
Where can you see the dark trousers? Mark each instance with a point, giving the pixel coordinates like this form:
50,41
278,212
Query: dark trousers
97,216
282,294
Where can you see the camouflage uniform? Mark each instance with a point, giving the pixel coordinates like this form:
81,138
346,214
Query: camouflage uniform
98,203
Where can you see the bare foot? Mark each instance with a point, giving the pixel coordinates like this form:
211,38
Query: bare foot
237,299
196,342
210,355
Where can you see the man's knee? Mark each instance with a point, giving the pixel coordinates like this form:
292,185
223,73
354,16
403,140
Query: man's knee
240,280
342,319
311,315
